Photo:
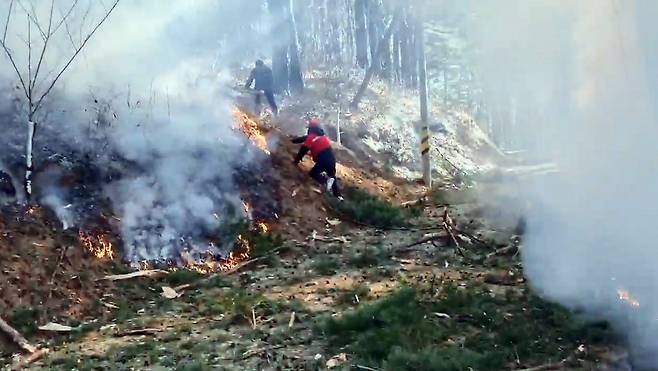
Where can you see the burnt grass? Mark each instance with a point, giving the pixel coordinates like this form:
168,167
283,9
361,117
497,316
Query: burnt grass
459,329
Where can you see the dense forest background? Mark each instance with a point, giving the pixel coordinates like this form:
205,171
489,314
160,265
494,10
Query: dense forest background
349,37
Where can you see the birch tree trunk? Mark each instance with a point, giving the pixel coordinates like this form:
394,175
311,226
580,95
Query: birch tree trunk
29,146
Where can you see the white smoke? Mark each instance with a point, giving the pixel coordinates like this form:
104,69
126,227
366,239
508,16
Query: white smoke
152,81
587,70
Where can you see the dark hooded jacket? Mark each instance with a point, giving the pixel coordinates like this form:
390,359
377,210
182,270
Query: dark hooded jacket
263,77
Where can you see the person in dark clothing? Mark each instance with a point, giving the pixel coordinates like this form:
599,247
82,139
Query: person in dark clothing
325,162
264,81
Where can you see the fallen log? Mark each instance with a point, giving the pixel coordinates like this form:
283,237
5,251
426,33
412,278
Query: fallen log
16,337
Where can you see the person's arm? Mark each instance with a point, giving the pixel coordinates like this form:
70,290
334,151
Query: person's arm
250,81
300,155
299,140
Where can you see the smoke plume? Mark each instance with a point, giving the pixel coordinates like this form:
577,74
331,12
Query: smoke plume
584,77
147,100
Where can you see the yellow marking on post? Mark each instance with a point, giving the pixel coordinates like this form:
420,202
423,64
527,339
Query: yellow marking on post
425,141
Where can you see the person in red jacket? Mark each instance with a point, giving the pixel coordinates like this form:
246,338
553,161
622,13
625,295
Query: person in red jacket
319,145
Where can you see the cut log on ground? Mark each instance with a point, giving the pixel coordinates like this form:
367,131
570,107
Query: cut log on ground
16,337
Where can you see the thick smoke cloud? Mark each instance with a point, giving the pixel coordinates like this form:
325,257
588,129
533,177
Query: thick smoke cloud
587,71
151,87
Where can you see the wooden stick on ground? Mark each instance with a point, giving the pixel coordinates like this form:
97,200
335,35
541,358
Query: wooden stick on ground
16,337
428,238
119,277
21,364
449,228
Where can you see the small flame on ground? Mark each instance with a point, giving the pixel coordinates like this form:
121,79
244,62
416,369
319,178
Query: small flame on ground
625,296
264,228
98,245
33,210
241,253
250,129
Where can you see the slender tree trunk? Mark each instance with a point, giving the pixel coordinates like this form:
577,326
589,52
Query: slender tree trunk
335,31
280,28
387,59
349,31
413,55
374,67
424,111
296,78
361,33
29,145
405,66
373,28
397,68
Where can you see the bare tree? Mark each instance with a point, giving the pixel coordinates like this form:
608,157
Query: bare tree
375,65
34,83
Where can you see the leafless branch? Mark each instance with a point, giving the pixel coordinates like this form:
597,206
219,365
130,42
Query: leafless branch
66,66
33,82
13,64
83,21
29,59
68,32
33,18
65,16
4,35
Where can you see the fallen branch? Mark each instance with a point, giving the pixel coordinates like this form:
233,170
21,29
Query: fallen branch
428,238
366,368
449,228
236,268
258,351
52,278
127,276
138,332
509,250
548,366
21,364
16,337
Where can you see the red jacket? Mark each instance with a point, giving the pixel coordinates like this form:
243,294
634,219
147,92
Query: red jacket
317,144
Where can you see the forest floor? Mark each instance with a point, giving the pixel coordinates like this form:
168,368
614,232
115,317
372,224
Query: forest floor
395,278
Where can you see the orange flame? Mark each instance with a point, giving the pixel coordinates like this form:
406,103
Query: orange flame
264,228
250,129
240,253
99,245
628,298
